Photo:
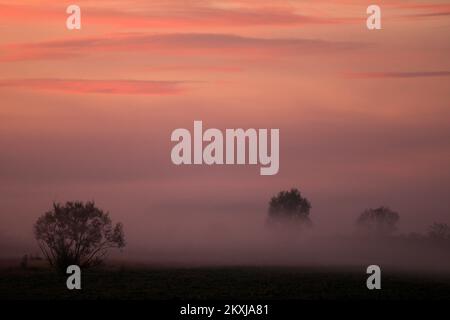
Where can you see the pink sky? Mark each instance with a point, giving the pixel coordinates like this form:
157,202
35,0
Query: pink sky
363,115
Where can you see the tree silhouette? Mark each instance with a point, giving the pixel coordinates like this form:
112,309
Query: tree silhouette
381,220
439,231
289,206
77,233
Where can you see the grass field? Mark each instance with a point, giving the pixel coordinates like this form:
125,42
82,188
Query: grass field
256,283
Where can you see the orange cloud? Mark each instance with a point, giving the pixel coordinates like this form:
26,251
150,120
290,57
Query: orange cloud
97,86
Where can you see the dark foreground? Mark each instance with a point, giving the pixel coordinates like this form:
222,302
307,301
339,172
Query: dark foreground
221,283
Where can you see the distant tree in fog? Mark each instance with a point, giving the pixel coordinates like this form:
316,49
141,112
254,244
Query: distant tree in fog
289,206
77,233
381,220
439,231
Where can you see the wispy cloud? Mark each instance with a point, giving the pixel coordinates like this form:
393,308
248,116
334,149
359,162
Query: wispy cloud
417,74
422,6
195,15
428,14
140,87
197,68
174,44
415,10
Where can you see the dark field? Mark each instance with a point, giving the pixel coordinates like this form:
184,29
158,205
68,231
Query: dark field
216,283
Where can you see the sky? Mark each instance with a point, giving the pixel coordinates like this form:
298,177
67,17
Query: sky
364,116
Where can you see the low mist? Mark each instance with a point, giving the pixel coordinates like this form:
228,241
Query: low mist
250,240
229,237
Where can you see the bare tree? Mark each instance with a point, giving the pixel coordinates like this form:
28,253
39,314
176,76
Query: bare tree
381,220
77,233
289,206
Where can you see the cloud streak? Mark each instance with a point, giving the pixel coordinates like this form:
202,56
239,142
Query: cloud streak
176,44
377,75
172,17
139,87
